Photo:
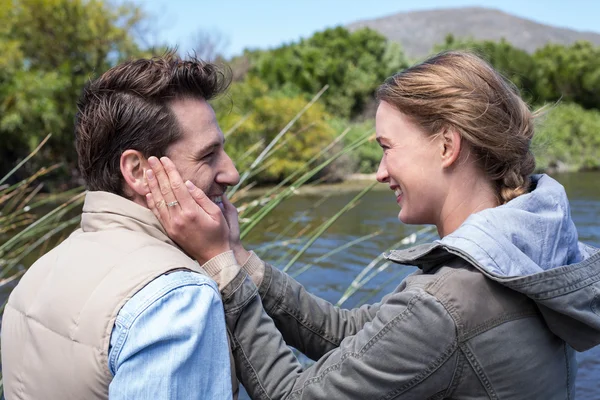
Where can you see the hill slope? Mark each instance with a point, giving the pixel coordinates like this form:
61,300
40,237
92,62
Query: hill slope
419,31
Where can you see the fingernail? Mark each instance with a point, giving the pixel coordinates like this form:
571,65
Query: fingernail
150,174
162,159
189,185
153,161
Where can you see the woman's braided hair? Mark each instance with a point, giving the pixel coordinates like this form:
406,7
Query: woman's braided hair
458,90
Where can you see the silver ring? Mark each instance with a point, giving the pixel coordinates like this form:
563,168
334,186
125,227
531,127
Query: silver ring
172,203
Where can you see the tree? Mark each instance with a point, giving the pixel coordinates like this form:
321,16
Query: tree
50,48
258,115
569,138
352,64
570,73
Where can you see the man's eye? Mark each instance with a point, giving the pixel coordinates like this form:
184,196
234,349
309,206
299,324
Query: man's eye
207,156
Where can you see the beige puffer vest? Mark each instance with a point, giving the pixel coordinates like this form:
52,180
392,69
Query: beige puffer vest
58,321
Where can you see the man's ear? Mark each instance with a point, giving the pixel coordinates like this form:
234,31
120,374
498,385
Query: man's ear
451,143
133,168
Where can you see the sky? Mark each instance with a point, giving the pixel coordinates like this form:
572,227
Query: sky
266,24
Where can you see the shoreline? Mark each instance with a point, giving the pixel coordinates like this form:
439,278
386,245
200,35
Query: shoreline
352,183
357,182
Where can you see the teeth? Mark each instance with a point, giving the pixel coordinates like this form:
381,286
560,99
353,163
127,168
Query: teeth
397,192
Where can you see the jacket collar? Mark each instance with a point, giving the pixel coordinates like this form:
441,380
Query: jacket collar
427,256
107,211
567,295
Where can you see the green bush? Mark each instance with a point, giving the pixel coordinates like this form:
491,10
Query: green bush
256,116
569,73
568,138
366,158
48,50
353,64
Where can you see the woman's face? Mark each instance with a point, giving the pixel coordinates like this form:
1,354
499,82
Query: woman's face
411,165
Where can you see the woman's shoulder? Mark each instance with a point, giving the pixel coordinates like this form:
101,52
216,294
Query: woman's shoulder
473,300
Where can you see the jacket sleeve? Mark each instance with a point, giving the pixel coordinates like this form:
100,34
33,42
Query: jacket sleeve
308,323
408,351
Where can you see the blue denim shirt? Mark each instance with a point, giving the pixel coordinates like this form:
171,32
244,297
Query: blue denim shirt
169,342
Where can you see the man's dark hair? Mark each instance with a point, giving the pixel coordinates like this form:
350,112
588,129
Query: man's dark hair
127,107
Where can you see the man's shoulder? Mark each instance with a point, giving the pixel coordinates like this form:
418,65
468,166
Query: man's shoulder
108,267
126,248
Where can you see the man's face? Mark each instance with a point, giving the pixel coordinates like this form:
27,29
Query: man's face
199,154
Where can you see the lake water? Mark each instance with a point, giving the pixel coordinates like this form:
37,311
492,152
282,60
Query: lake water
378,212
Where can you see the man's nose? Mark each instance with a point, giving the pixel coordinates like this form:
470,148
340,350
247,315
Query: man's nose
228,173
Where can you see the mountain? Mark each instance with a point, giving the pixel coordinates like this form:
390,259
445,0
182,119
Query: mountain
419,31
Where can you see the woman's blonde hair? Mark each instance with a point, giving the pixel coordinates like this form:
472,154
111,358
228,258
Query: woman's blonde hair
458,90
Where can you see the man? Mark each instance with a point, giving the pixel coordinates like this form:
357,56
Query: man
118,310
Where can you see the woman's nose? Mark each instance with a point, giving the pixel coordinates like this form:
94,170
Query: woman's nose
382,173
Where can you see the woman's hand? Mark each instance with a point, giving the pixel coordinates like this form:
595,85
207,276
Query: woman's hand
190,218
231,215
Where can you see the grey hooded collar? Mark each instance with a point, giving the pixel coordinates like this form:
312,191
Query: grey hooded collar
530,246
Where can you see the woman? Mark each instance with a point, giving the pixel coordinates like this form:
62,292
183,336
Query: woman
499,302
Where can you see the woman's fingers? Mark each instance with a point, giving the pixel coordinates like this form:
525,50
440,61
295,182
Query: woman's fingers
152,206
202,200
163,183
231,214
158,201
182,195
229,208
195,223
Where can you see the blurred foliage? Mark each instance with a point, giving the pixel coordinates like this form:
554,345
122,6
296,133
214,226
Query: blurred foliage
553,73
568,138
263,114
48,50
352,64
348,63
30,223
570,74
365,159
